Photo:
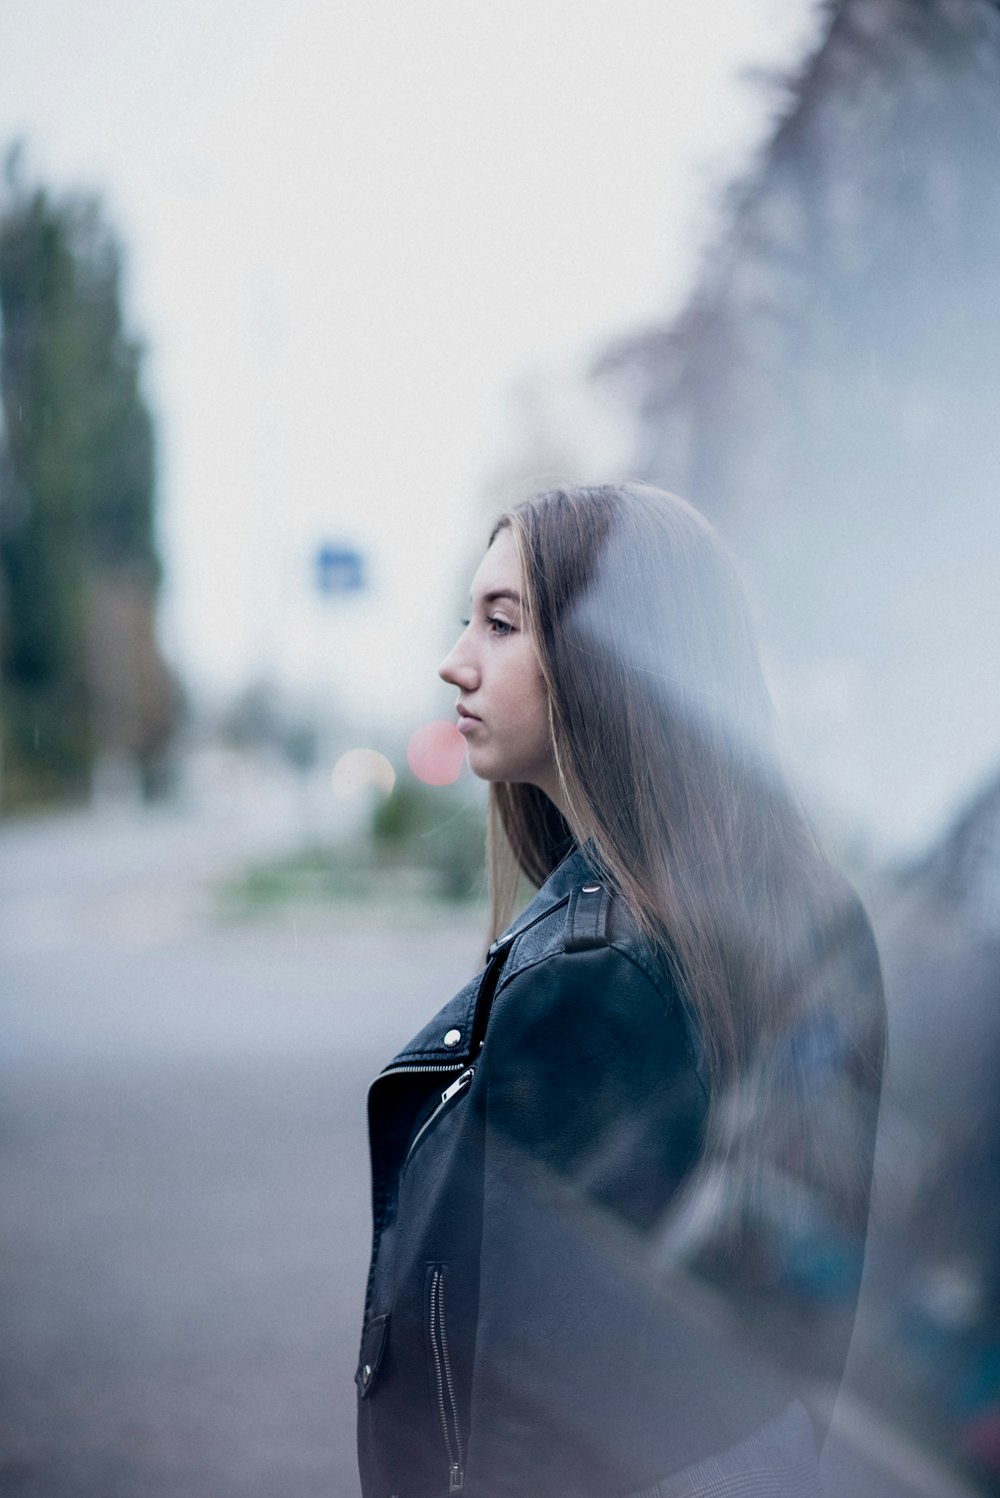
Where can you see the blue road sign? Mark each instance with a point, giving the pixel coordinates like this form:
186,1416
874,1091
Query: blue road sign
339,568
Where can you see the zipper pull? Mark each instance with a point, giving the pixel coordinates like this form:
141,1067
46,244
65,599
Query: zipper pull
456,1478
458,1084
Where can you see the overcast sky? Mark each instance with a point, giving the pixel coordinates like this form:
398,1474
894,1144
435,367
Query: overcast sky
349,227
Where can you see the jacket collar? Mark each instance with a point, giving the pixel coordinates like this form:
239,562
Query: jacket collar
427,1051
578,866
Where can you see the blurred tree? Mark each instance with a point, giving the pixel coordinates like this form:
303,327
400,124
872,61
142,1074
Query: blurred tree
828,395
84,685
438,829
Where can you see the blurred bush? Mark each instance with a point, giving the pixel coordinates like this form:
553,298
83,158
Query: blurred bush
436,829
420,842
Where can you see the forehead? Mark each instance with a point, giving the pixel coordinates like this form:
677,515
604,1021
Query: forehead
499,569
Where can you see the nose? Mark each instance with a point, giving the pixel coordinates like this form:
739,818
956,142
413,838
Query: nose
459,668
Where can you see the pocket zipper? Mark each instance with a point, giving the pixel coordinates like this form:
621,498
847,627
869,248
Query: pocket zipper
447,1405
452,1091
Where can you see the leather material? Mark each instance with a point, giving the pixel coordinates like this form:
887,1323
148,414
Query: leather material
587,918
370,1359
555,1355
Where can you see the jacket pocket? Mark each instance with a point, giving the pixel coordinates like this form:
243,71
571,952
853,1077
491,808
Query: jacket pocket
442,1377
373,1340
449,1097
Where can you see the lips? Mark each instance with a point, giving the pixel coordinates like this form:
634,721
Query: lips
466,720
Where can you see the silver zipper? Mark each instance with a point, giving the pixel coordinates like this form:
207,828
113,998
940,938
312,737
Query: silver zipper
420,1066
447,1406
459,1085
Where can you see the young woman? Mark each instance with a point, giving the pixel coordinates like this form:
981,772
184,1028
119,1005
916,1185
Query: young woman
620,1182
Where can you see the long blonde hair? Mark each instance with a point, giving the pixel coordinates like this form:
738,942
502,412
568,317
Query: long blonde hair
665,751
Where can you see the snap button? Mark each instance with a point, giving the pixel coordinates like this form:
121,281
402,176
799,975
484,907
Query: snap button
452,1037
591,889
366,1373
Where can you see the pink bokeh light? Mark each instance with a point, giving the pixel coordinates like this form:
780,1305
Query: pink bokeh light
436,753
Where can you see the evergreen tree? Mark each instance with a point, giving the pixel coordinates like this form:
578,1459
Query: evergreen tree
77,489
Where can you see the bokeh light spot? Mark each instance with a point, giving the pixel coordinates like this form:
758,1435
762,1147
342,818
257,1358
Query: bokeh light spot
362,769
436,753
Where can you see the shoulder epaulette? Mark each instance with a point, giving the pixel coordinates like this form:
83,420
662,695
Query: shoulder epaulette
587,917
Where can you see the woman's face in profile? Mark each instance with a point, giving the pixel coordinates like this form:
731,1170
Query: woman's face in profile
502,704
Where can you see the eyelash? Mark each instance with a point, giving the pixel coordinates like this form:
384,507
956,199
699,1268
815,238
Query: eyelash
500,627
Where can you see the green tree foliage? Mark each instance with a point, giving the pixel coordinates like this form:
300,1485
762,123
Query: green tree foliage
77,487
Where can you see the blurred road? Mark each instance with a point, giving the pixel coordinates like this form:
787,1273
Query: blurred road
182,1162
183,1170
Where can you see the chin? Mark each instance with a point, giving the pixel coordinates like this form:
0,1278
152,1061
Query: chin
480,770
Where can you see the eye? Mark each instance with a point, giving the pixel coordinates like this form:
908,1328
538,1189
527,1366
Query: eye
499,627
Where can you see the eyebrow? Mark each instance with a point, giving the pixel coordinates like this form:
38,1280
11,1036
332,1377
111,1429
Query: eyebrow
500,593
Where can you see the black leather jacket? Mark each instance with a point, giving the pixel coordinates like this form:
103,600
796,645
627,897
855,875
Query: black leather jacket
520,1334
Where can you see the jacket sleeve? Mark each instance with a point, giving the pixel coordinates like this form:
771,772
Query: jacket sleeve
593,1374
